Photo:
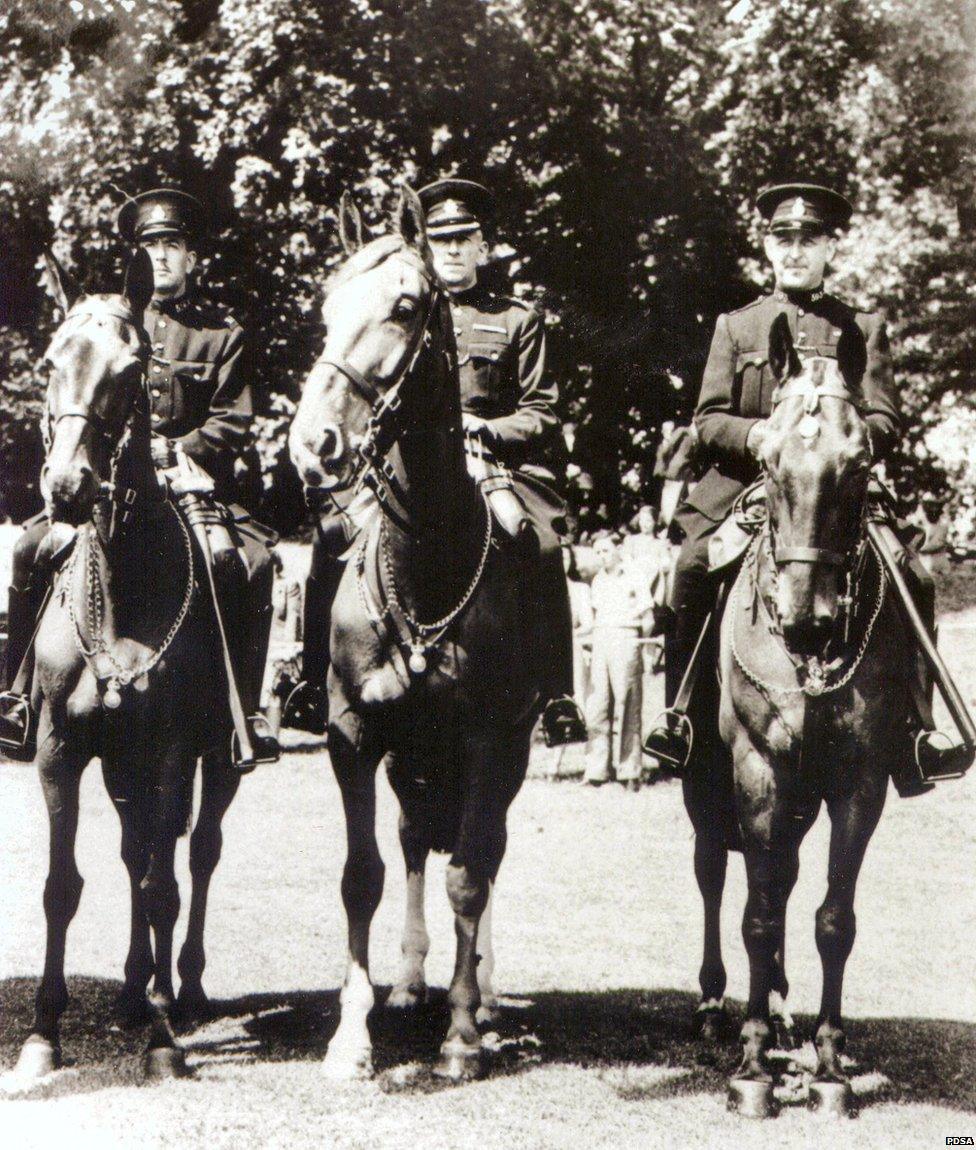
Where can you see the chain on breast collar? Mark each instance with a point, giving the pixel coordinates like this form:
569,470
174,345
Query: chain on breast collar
120,675
817,681
421,638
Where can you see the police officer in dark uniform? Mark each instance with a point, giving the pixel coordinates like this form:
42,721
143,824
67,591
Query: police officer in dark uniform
509,417
200,407
735,400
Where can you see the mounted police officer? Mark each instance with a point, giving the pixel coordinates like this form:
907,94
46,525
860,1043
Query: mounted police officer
735,400
512,430
201,413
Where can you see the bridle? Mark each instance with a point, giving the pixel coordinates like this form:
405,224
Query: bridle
811,394
812,673
114,440
385,426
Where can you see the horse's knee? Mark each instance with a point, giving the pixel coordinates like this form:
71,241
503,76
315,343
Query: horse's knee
711,861
161,899
62,892
467,890
206,845
760,932
362,880
836,927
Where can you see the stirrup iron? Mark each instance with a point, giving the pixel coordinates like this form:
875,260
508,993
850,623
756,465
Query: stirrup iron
18,727
937,764
264,745
670,741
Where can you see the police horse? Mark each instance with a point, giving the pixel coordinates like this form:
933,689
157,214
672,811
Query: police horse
814,671
429,660
124,660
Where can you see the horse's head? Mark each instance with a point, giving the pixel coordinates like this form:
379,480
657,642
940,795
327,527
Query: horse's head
95,365
377,308
817,457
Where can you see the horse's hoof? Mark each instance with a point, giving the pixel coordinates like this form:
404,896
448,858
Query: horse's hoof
132,1010
38,1057
752,1098
784,1035
461,1062
712,1026
192,1006
348,1066
165,1062
831,1099
488,1014
406,997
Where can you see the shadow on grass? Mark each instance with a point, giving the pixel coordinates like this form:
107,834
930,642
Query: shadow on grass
643,1039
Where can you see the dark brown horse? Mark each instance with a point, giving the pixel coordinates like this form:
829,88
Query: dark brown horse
814,675
427,633
126,668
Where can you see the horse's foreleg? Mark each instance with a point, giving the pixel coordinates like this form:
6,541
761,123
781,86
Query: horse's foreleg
852,823
779,1013
170,807
467,889
487,1013
60,773
411,986
771,870
350,1053
132,1006
218,788
711,859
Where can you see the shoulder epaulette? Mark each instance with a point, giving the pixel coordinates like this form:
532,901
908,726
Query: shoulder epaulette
749,306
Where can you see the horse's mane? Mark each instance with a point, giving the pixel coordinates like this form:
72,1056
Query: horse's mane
374,253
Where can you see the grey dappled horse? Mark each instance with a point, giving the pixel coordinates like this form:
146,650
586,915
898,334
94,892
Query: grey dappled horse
428,628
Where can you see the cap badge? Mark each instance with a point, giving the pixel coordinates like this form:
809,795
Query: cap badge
158,214
798,209
451,207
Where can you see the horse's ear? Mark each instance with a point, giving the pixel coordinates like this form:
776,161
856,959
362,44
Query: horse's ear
350,224
409,218
852,355
59,284
782,354
139,284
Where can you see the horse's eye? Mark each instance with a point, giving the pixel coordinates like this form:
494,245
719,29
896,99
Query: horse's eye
404,311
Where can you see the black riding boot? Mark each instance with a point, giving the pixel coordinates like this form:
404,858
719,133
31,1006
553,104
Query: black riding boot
306,707
17,722
562,719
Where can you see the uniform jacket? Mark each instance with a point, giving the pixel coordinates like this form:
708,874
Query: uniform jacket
501,356
738,385
200,397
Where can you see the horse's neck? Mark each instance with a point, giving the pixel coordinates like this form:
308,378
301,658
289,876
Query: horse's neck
132,510
434,555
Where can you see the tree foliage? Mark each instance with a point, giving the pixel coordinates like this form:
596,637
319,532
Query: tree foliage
625,139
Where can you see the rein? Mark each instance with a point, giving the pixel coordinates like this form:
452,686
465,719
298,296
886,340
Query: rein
813,673
122,500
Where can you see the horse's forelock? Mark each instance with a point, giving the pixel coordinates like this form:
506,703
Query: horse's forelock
375,253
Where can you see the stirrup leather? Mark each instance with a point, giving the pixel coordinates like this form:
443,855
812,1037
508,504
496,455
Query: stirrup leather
671,740
18,727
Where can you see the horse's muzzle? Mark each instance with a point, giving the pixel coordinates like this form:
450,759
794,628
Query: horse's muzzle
320,459
70,493
808,635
